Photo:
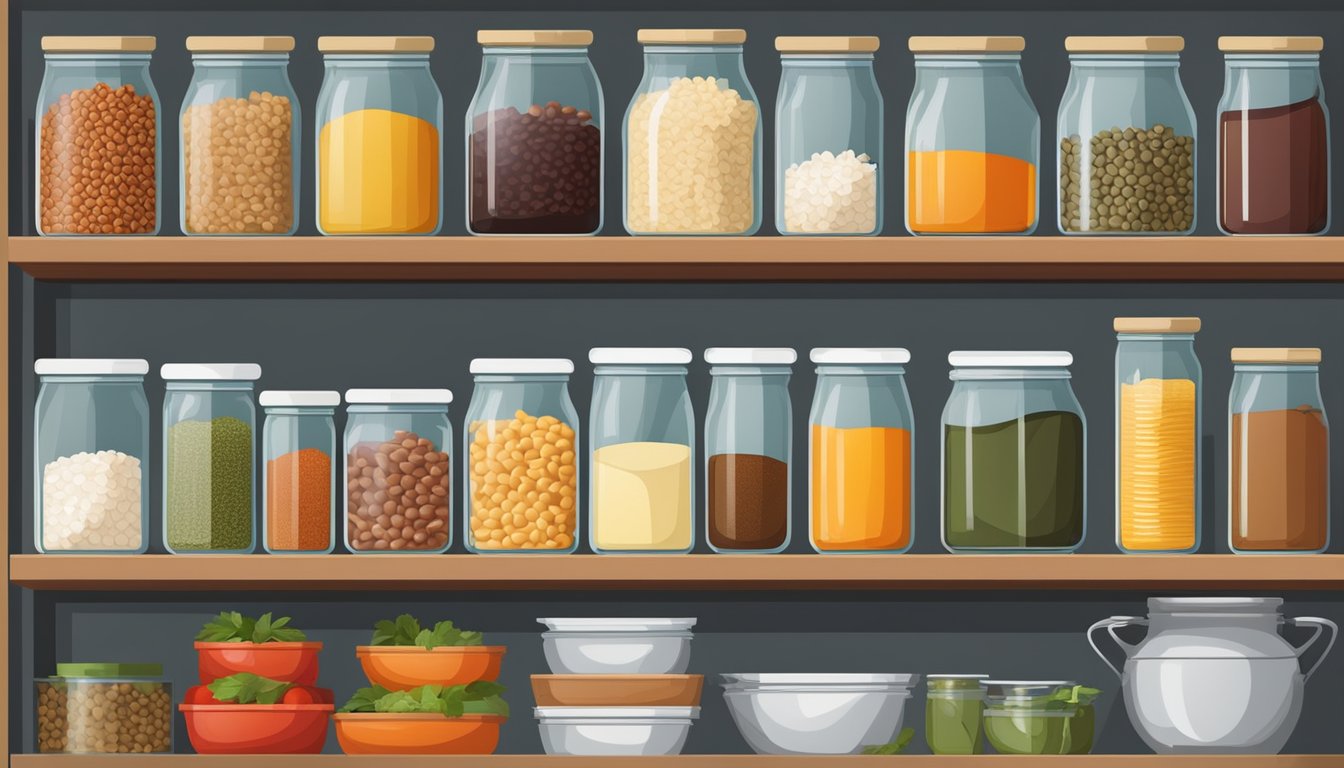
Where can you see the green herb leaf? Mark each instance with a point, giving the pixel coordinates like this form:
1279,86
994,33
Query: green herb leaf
233,627
364,699
491,705
247,688
477,698
894,748
406,630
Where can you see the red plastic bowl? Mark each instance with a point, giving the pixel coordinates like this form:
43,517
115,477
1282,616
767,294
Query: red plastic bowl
257,729
287,662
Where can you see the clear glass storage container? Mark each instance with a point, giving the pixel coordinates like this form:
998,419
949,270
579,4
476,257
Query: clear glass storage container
379,138
1279,453
1126,139
828,137
861,446
298,443
521,457
1273,138
1158,417
692,137
642,431
1049,717
91,455
398,470
1014,456
105,709
953,711
239,167
535,136
972,139
98,138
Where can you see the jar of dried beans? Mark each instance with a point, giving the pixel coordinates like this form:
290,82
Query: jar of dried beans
298,441
98,138
535,136
104,708
398,471
240,138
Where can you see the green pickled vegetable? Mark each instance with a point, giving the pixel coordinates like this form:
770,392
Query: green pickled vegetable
1028,732
952,724
894,748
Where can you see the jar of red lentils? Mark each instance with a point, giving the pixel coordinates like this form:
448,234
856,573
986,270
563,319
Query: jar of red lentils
298,450
98,135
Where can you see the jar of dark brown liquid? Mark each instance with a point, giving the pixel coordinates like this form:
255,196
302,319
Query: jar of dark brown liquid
1273,138
749,445
1279,453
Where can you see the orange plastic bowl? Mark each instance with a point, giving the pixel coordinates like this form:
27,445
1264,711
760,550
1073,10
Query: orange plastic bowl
402,667
287,662
378,733
257,729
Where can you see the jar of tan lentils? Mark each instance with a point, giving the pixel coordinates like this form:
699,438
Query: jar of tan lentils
105,709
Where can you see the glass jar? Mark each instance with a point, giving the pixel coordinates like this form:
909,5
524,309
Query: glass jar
1279,453
1158,416
98,138
692,137
1126,124
209,455
398,470
828,137
1273,138
1014,460
521,457
105,709
535,136
749,449
643,442
862,434
379,138
972,139
952,715
1027,717
91,451
240,138
298,441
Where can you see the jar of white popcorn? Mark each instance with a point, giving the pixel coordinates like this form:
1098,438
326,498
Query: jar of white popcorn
828,152
92,444
692,137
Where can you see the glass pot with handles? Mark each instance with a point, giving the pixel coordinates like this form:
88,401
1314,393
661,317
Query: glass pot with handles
298,448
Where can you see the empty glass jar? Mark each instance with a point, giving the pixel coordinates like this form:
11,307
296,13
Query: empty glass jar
298,446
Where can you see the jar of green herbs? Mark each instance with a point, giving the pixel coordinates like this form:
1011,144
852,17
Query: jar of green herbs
952,714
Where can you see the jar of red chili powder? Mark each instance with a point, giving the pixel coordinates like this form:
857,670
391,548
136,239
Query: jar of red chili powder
299,481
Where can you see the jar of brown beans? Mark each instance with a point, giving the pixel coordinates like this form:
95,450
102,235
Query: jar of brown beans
240,138
105,709
98,131
398,470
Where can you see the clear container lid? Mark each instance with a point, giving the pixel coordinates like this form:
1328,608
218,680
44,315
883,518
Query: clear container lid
691,36
210,372
398,396
98,44
243,44
751,356
312,398
391,45
956,682
507,366
1022,692
535,38
90,366
639,356
860,356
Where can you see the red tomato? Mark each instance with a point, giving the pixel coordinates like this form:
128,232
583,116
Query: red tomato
299,695
199,694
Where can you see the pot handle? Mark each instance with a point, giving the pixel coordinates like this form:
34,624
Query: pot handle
1110,625
1320,625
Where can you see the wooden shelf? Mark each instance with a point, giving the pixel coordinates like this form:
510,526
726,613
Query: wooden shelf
754,259
773,572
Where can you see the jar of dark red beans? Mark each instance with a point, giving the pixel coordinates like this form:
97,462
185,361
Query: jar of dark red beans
534,136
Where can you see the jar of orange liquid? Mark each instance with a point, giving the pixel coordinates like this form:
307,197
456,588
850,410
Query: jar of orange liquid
860,451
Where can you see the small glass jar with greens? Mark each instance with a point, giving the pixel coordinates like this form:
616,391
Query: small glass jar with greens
1050,717
953,710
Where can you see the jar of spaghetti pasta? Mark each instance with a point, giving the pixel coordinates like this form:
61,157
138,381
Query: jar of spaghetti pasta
1157,426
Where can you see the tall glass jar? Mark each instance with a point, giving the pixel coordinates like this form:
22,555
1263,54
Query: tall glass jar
953,714
1158,418
298,443
1014,454
98,138
861,446
398,470
828,137
239,166
749,449
521,457
1126,139
692,137
90,456
209,455
535,136
972,139
1279,453
643,440
1273,138
379,138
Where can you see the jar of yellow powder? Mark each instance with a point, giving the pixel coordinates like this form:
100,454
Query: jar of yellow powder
379,138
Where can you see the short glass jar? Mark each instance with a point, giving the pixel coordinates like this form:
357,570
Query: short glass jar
239,166
209,455
298,444
1126,139
1014,454
692,137
642,431
953,712
535,135
105,709
862,435
98,138
379,138
1279,453
1026,717
521,458
828,137
91,456
749,449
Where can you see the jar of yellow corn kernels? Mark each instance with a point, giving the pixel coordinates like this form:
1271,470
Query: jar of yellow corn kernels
521,453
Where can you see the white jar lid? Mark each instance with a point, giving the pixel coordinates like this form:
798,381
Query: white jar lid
398,396
90,366
1052,359
751,356
299,398
639,356
860,356
508,365
210,371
